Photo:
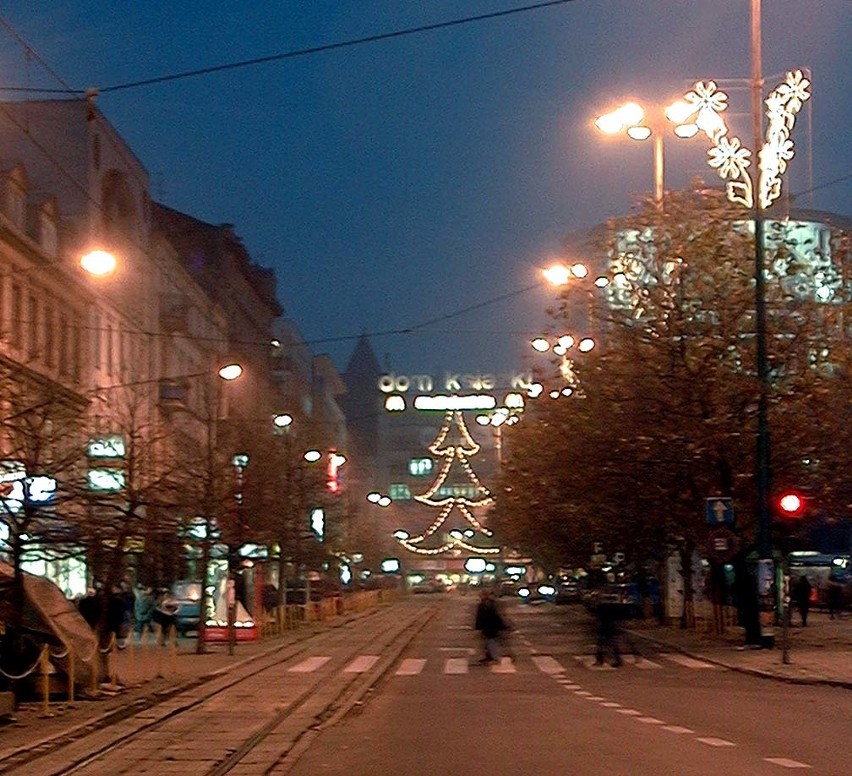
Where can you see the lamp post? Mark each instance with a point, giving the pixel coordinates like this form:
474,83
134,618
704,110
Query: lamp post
756,189
632,119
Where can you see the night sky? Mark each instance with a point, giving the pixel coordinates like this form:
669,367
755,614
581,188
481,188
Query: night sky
400,181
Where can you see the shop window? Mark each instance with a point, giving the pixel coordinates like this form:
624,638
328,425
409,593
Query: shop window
420,467
399,492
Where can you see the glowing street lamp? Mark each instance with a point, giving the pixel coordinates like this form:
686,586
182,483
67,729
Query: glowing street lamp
99,262
562,274
631,119
230,372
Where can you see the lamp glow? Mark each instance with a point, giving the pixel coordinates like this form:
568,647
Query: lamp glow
230,372
99,263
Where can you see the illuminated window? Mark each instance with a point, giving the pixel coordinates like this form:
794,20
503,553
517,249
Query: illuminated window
106,479
420,467
399,492
457,491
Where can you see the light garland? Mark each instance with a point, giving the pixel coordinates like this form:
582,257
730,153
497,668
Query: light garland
730,157
454,455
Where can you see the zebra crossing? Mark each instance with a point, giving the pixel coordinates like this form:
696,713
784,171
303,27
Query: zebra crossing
459,664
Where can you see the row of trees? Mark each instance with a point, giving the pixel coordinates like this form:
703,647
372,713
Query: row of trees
664,415
167,496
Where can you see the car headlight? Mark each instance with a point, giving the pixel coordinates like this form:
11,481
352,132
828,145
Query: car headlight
524,592
546,590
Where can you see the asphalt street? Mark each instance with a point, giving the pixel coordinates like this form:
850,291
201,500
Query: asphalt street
552,711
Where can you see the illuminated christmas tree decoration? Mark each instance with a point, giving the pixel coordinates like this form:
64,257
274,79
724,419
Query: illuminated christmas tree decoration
730,158
450,493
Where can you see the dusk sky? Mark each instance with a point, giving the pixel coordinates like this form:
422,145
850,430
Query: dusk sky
398,181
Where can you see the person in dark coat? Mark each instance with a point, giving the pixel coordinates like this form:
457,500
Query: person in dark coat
608,626
490,623
802,596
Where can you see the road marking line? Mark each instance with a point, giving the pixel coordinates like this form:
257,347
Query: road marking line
584,693
716,742
459,627
595,698
677,729
571,686
411,666
548,665
455,665
785,763
611,705
641,662
361,664
309,664
629,712
650,720
466,650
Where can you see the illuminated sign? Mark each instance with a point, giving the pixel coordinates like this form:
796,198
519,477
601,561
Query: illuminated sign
318,523
108,480
453,382
110,446
444,403
16,489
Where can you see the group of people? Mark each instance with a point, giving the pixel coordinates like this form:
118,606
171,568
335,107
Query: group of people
801,593
126,609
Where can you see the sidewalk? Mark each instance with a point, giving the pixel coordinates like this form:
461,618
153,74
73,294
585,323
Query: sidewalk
821,653
137,674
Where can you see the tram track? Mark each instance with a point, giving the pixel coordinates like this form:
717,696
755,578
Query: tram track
276,725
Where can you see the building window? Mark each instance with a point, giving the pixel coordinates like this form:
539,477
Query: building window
48,238
49,337
17,313
63,345
420,467
32,326
97,335
457,491
16,201
399,492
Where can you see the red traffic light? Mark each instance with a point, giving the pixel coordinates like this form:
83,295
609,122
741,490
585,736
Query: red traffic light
791,504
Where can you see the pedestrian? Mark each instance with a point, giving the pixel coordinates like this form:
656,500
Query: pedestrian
90,607
833,596
491,625
608,616
802,596
165,615
143,608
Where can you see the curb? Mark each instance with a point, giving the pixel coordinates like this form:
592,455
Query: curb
758,672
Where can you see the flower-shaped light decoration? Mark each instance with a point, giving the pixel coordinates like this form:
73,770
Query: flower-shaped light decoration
730,158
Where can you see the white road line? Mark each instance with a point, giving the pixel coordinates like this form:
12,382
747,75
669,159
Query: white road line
459,627
548,665
361,664
595,698
411,666
641,662
611,705
677,729
466,650
571,686
629,712
309,664
584,693
504,666
785,763
716,742
688,662
455,665
588,661
650,720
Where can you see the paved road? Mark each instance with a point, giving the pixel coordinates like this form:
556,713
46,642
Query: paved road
551,711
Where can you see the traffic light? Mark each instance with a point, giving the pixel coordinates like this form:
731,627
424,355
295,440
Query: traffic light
791,504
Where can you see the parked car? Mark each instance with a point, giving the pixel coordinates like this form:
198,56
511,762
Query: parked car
187,595
537,592
428,585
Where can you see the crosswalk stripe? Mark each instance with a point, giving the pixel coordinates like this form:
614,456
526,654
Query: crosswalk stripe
411,666
505,666
309,664
361,664
547,665
641,662
455,665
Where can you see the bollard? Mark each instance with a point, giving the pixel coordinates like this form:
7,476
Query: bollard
130,647
44,663
173,651
71,677
158,630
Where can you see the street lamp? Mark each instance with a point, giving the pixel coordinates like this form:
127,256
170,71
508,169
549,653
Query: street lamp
99,262
632,119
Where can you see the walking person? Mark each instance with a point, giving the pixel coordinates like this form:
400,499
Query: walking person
490,623
802,597
608,617
833,597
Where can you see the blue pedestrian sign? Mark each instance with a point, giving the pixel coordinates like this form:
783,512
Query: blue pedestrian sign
719,510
